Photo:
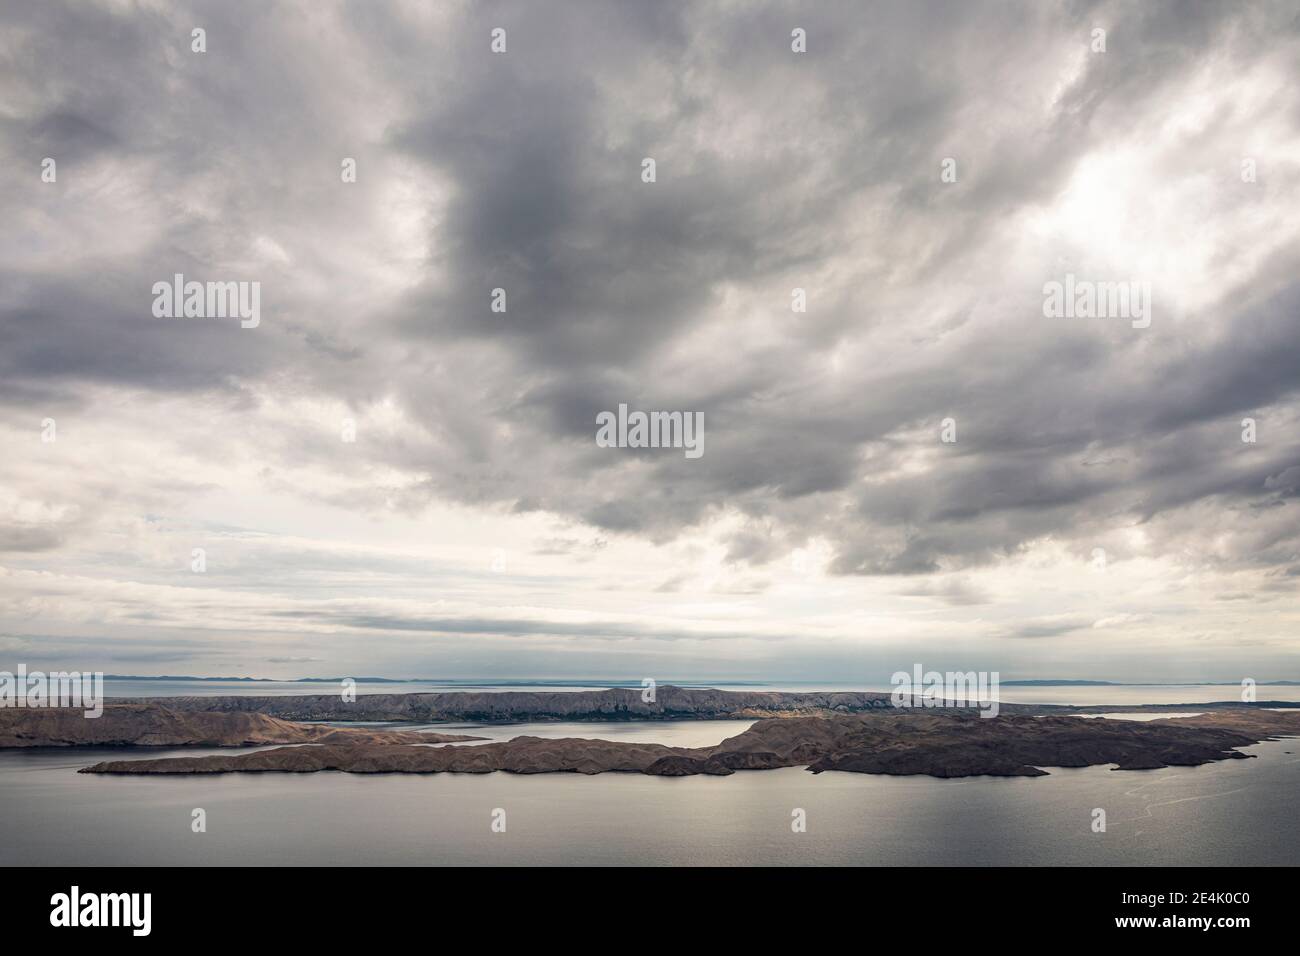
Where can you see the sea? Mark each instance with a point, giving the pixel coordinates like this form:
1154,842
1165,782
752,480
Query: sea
1232,812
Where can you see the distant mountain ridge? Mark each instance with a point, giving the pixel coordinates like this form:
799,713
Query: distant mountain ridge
618,703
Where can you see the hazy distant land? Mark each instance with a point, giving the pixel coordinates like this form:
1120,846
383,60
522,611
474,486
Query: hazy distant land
617,703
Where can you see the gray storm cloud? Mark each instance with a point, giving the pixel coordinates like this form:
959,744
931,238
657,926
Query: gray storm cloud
775,171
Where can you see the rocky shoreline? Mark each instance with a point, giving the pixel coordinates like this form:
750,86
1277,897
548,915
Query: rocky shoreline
896,742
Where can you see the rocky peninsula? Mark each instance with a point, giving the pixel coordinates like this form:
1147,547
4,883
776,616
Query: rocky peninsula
156,725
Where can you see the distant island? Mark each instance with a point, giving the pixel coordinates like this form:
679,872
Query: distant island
1064,683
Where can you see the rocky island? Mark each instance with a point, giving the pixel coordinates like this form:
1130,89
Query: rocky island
897,741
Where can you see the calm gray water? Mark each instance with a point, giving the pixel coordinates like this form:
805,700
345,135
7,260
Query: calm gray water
1238,812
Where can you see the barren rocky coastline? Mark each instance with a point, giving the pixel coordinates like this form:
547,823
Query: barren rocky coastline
885,742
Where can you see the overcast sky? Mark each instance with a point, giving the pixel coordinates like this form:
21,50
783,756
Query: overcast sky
1099,514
